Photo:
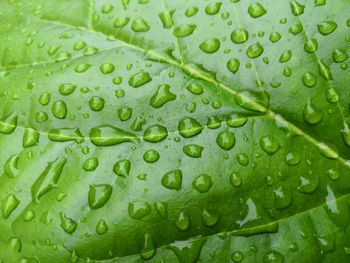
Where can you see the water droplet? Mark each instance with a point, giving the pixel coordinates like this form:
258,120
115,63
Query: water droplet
237,256
82,68
339,55
139,79
44,98
191,11
28,216
162,209
269,144
239,36
65,135
255,101
226,140
346,134
155,133
66,88
9,204
140,25
195,88
324,71
107,135
79,45
124,113
148,248
9,123
311,45
273,257
292,158
151,156
296,29
255,50
210,45
243,159
48,179
68,224
11,166
183,221
189,127
327,27
99,194
233,65
162,96
121,22
282,197
107,8
309,79
139,209
213,8
15,244
235,121
297,9
172,180
332,95
327,151
274,37
166,19
184,30
193,150
30,137
122,168
312,115
320,2
90,164
202,183
107,68
256,10
209,219
96,103
101,227
333,174
285,56
59,109
235,179
308,184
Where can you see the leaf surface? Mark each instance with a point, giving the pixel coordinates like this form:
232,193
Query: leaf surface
174,131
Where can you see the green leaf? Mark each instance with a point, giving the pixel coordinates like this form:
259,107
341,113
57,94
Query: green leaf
174,131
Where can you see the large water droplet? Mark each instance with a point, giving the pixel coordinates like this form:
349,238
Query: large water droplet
122,168
213,8
210,45
184,30
312,115
68,224
140,25
99,194
9,123
269,144
226,140
162,96
66,134
189,127
297,9
202,183
327,27
59,109
139,209
193,150
139,79
183,221
256,10
48,179
172,180
239,36
108,135
155,133
9,204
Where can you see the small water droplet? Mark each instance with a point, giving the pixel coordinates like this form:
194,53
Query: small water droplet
183,221
239,36
139,79
139,209
312,115
255,50
327,27
297,9
140,25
